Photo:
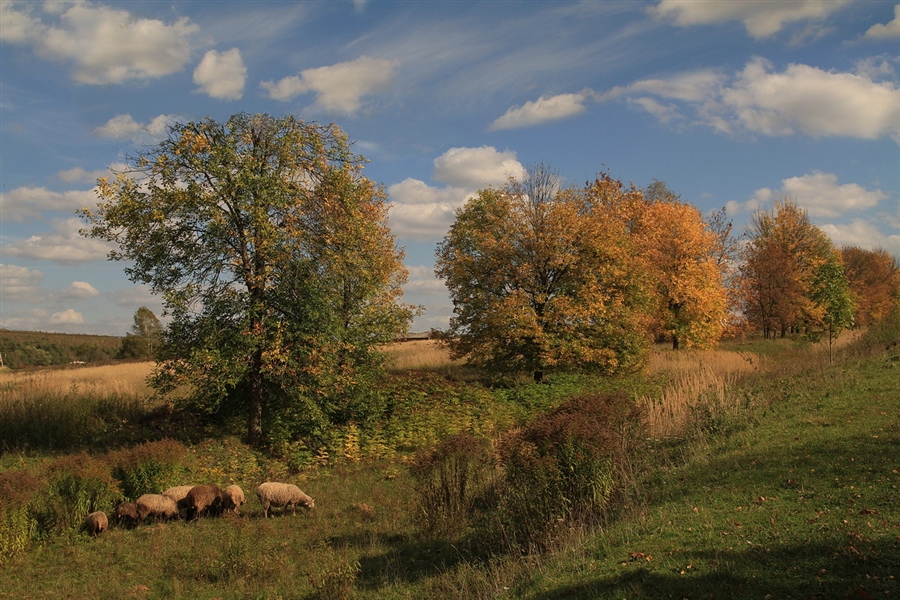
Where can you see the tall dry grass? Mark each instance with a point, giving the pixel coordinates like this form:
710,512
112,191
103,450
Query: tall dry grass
107,380
420,355
699,382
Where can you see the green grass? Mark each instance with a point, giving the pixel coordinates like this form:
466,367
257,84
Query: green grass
797,496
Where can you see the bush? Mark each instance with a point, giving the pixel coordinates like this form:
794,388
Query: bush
450,480
78,484
147,468
563,470
18,490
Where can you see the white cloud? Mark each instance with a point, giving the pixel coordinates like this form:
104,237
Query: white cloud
814,101
863,234
422,280
822,196
886,31
758,99
19,283
222,75
424,212
105,45
79,175
475,168
338,88
541,110
124,127
29,202
761,19
81,290
67,317
63,244
818,193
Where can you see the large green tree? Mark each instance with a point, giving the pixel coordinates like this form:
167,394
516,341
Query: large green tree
543,277
831,293
274,260
143,339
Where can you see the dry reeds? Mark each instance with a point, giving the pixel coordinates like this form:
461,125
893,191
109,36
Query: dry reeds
420,355
699,384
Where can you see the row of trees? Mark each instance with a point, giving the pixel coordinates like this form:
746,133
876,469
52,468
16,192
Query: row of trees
281,278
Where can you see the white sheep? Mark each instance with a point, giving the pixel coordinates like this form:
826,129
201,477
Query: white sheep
232,498
156,505
282,494
179,495
96,523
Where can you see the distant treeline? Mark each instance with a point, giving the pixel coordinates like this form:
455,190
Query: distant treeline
39,349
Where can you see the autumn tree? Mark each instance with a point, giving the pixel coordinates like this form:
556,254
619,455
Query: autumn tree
874,277
685,259
143,339
830,292
783,251
275,263
543,277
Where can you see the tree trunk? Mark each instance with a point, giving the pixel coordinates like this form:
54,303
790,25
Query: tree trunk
538,376
674,342
255,401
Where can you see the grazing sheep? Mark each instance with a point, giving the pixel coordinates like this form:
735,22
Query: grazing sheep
157,506
282,494
203,498
96,523
179,495
126,513
232,498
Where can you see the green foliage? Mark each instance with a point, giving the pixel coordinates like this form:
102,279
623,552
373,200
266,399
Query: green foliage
18,527
78,484
831,294
21,349
147,468
275,263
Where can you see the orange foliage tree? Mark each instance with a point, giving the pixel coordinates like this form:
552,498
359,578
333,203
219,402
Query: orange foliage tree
874,277
780,261
545,277
685,258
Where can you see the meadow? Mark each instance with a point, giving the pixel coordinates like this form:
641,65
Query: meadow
756,470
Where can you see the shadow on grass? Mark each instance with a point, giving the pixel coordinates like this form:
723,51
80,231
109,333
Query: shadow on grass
806,571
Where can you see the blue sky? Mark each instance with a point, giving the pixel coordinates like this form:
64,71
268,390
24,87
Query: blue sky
731,103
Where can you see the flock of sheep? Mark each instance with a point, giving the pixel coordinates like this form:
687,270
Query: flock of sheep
193,501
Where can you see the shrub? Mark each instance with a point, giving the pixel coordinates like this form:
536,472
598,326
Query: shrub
450,480
18,490
78,484
147,468
563,469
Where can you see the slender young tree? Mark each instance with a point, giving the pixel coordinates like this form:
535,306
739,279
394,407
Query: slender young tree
274,260
831,292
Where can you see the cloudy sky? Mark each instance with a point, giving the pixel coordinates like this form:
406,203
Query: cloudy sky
733,104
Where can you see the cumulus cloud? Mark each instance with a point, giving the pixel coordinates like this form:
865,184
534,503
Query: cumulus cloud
67,317
761,19
63,244
887,31
422,280
863,234
540,111
221,75
81,290
104,45
759,99
31,202
818,193
338,88
424,212
19,283
476,168
124,127
79,175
